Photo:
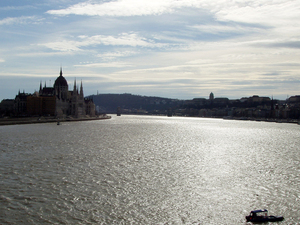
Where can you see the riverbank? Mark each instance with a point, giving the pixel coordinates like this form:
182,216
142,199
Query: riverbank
32,120
263,119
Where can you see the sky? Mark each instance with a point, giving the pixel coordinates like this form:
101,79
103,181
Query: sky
181,49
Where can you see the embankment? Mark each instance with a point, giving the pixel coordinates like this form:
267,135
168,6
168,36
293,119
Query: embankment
32,120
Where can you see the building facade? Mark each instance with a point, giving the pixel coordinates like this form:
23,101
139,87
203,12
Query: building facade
58,101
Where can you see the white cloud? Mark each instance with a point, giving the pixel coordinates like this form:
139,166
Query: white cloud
12,8
265,12
115,54
259,18
21,20
124,39
121,8
219,29
64,46
103,65
39,54
249,11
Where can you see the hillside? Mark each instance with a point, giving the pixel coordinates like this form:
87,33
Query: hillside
109,103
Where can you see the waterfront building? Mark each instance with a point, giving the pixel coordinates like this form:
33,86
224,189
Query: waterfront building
59,101
7,107
294,100
20,104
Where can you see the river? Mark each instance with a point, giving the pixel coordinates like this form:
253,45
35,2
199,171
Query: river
148,170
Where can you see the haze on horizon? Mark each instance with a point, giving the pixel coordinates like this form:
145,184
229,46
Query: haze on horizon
168,48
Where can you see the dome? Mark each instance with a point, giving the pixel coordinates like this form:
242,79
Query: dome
61,81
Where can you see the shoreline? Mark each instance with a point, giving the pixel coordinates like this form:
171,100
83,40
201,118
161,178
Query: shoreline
34,120
268,120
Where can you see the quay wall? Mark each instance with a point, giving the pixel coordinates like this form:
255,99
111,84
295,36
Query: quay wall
32,120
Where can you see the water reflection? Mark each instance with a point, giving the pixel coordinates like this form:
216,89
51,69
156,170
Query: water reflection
148,170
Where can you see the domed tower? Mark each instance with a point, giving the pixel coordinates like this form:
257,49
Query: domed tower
61,87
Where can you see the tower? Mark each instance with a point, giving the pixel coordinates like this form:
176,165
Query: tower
41,88
81,90
61,87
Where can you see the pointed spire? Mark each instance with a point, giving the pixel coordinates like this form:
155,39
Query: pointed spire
74,89
81,89
41,86
60,74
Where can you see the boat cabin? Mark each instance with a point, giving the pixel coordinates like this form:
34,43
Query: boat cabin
259,213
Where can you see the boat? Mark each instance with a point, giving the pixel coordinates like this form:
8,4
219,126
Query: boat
261,216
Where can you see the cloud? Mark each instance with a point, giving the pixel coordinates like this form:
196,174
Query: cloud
121,8
226,17
21,20
115,54
221,29
276,43
64,45
124,39
287,44
12,8
2,60
250,11
39,54
103,65
260,11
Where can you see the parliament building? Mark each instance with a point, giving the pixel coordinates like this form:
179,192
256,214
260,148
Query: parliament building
56,101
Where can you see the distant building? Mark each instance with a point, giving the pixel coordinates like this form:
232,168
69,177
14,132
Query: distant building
294,99
59,101
7,107
257,99
199,101
221,101
20,105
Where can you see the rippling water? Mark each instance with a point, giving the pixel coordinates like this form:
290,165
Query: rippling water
148,170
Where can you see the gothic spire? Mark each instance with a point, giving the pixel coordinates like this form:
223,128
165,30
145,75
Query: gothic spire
81,89
74,89
60,71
